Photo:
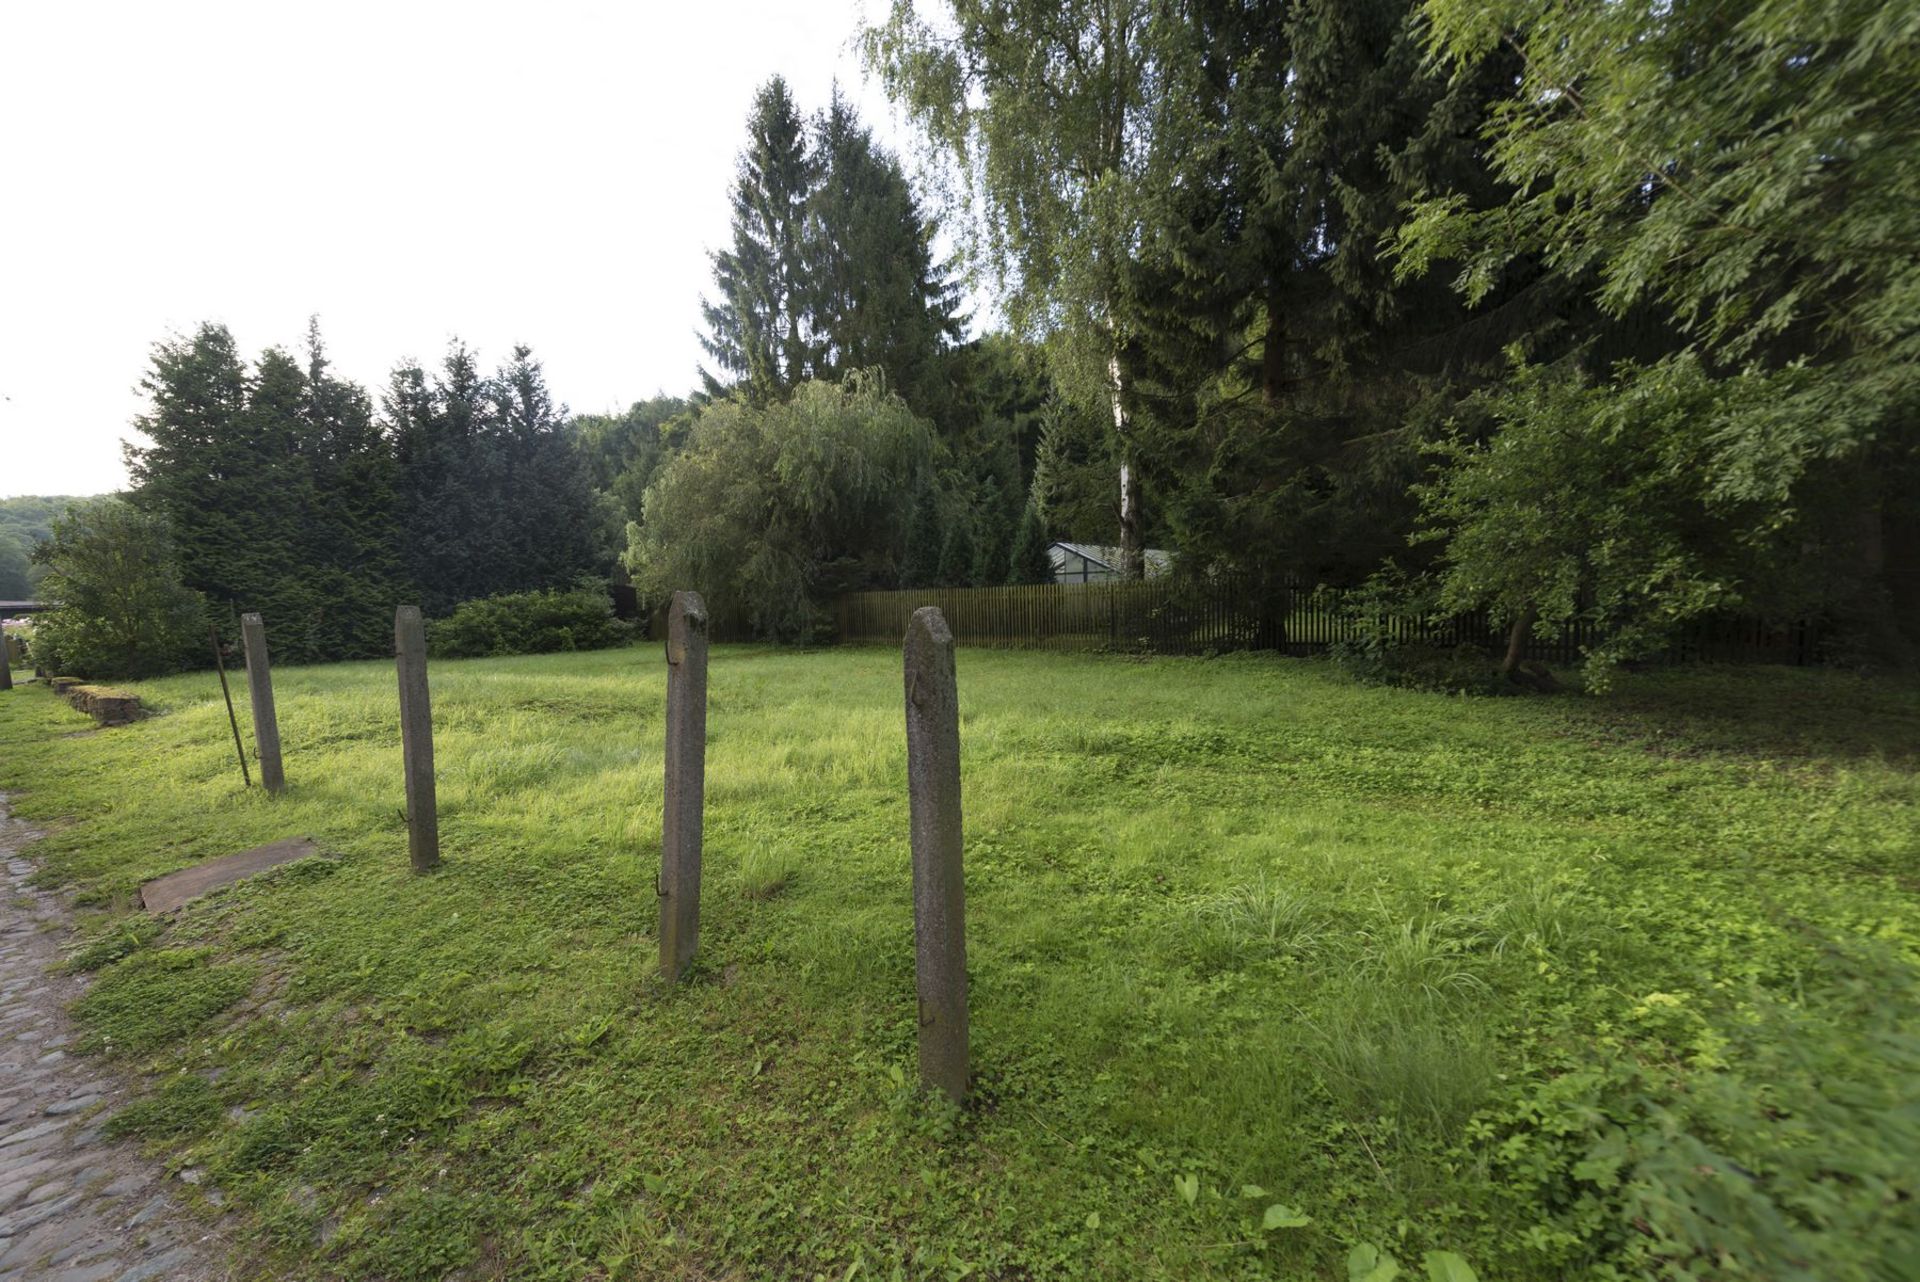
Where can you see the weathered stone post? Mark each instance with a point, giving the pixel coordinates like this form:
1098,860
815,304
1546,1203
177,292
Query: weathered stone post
266,726
416,738
686,783
939,889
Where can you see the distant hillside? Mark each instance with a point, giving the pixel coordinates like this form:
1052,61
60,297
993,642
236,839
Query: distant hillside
24,521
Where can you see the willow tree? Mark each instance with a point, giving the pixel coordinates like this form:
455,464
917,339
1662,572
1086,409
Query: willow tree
772,511
1046,114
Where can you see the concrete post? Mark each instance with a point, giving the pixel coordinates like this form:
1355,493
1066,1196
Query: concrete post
266,726
686,783
416,738
939,888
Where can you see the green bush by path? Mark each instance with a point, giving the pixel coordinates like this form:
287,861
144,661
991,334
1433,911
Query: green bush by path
1271,972
529,623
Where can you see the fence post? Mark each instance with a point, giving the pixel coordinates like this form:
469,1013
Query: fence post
686,783
266,726
416,738
939,889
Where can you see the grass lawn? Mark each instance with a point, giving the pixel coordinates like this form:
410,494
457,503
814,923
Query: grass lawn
1570,987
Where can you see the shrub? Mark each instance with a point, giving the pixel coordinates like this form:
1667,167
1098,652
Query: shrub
120,609
579,618
1384,618
1731,1130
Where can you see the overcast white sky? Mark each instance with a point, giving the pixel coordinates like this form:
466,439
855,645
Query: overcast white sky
549,173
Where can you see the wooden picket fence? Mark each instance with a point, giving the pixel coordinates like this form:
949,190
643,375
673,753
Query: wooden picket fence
1169,616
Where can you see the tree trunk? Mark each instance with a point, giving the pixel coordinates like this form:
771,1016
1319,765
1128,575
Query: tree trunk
1517,640
1133,559
1273,354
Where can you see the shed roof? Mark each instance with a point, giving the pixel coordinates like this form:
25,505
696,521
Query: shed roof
1107,556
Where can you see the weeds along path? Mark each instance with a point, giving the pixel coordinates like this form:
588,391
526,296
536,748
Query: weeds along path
75,1205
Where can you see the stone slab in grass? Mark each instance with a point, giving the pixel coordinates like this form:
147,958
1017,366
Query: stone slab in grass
164,894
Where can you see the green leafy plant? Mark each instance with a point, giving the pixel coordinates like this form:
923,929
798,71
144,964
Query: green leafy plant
529,623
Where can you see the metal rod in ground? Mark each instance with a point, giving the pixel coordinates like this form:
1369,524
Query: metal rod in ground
686,783
416,738
266,723
239,750
939,888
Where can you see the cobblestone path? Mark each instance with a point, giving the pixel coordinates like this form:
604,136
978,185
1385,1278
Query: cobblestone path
75,1206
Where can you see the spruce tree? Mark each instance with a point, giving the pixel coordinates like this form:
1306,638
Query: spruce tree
449,472
920,562
353,531
997,520
194,469
558,531
227,466
271,505
958,557
756,328
497,497
1029,561
876,297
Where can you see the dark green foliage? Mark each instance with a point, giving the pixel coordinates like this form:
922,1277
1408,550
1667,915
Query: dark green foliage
120,609
831,269
493,494
1596,504
29,517
278,488
1073,473
876,299
287,496
529,623
352,565
920,559
25,522
996,520
1188,205
1202,211
995,392
1028,561
756,330
959,558
16,572
1286,375
1744,174
624,451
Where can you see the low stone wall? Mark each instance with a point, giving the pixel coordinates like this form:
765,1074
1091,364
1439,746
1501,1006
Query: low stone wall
108,706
